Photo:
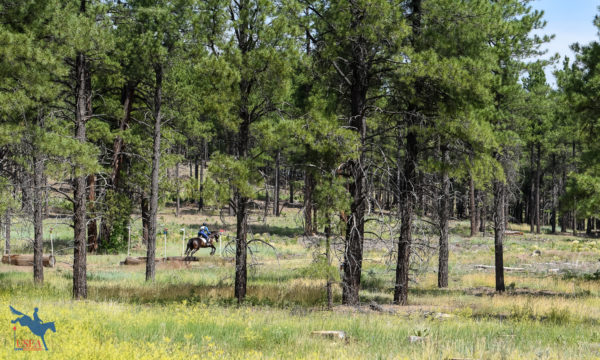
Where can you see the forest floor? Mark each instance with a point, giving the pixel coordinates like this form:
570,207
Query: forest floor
551,309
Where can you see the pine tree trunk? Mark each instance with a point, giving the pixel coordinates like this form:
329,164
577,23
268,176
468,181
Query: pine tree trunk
308,203
328,257
177,191
574,198
145,207
554,196
7,225
354,239
38,219
201,179
472,209
499,234
92,228
127,97
407,208
83,112
241,204
291,182
276,194
355,226
444,218
483,214
266,208
153,205
537,189
241,272
532,193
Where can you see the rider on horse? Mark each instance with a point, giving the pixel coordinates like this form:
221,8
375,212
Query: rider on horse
204,232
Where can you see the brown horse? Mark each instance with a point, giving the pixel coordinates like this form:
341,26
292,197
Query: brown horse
194,244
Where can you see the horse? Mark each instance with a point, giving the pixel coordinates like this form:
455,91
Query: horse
194,244
38,328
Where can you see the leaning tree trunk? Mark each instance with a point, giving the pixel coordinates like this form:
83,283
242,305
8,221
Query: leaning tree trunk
153,205
444,218
83,113
38,219
499,234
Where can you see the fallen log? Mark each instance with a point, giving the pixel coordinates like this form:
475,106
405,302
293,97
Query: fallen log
137,260
27,260
512,232
493,267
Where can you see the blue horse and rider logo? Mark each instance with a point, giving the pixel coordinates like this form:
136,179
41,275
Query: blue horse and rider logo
36,326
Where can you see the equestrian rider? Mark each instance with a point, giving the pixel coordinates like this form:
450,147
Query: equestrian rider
204,232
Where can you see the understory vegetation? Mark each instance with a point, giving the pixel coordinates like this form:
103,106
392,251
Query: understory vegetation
551,309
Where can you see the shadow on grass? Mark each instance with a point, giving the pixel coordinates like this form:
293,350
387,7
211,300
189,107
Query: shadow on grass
264,295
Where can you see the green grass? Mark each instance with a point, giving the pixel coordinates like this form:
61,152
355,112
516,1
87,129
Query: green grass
189,311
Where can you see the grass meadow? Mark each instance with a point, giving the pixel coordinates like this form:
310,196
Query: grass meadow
551,310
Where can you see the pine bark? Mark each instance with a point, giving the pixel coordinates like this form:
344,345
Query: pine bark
444,215
153,205
328,258
145,207
532,207
241,201
554,196
408,182
277,180
38,218
308,203
92,227
499,234
472,208
291,183
537,189
177,191
7,225
407,208
353,251
83,112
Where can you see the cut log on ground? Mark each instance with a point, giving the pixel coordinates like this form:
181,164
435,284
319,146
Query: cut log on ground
27,260
512,232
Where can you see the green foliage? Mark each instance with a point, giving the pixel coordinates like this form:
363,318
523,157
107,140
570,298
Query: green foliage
320,269
229,175
117,210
